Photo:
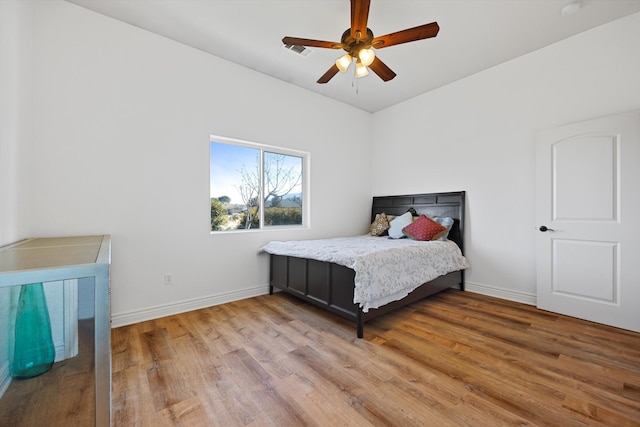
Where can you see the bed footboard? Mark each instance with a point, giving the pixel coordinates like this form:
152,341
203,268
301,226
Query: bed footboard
321,283
331,286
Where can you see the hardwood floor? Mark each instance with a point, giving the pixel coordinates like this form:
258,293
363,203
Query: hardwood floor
454,359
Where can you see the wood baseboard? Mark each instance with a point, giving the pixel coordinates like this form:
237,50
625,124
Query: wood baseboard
155,312
502,293
163,310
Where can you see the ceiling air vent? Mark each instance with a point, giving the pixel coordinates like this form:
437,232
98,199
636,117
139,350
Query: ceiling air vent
300,50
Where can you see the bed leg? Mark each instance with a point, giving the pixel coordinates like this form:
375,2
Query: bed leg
270,290
359,326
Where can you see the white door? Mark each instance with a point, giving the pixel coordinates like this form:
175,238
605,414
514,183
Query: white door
588,201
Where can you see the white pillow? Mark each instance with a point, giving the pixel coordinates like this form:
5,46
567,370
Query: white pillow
398,223
446,222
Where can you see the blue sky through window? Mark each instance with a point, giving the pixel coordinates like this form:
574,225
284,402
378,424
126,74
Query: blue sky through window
226,161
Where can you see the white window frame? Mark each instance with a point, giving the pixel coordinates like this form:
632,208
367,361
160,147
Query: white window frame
306,193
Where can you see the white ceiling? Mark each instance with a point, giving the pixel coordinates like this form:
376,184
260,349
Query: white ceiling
474,35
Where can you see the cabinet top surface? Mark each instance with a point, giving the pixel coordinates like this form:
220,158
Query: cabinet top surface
51,252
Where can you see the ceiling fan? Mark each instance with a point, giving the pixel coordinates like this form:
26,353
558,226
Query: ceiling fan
359,40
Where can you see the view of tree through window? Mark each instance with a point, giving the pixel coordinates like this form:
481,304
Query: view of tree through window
252,187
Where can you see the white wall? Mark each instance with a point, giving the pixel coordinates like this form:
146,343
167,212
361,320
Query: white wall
478,135
122,123
15,118
121,120
15,146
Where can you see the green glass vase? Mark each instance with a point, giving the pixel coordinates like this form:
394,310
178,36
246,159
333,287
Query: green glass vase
33,353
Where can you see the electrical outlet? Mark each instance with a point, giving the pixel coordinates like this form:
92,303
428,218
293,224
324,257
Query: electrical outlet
168,280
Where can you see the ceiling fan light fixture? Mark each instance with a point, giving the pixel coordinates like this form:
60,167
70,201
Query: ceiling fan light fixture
361,70
343,62
366,56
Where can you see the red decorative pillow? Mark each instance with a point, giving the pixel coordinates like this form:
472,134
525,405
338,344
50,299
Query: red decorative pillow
424,228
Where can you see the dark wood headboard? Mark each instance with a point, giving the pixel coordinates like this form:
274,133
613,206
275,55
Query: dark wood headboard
431,204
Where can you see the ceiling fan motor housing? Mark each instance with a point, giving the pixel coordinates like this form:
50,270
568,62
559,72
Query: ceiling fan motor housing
353,45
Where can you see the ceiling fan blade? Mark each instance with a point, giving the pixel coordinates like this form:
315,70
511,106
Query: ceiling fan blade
381,69
359,17
329,74
296,41
409,35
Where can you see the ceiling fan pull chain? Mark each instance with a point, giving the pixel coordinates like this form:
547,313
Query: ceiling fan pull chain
354,82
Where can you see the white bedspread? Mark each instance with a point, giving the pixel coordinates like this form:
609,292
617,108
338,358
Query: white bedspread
386,269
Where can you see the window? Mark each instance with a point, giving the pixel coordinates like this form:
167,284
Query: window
255,186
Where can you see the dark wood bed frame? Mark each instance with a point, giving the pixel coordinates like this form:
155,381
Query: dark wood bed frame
331,286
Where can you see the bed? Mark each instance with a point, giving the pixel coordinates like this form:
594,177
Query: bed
333,285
